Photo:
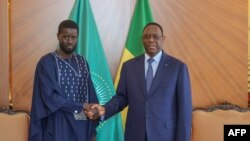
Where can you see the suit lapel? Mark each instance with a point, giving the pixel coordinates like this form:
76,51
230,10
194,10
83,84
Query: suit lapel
140,71
160,72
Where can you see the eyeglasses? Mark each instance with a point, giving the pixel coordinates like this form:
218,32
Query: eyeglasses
154,36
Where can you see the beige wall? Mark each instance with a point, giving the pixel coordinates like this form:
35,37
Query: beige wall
210,36
4,55
248,66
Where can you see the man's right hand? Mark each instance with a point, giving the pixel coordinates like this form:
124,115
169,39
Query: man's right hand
93,111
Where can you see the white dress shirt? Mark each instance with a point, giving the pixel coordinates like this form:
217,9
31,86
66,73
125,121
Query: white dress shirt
154,64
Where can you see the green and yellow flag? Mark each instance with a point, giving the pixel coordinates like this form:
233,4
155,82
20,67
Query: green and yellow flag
134,47
90,46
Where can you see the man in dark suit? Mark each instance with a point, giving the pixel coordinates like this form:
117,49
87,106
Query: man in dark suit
157,92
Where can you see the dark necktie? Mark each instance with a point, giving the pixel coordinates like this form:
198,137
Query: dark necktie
149,75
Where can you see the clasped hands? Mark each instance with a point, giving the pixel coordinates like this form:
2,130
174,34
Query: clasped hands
93,111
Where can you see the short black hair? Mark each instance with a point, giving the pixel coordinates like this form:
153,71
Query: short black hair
67,24
153,23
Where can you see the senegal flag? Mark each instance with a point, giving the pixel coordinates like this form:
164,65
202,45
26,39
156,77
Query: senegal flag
90,46
134,47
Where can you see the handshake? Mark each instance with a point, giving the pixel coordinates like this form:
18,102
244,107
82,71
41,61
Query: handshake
93,111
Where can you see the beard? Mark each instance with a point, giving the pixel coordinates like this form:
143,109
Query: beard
65,50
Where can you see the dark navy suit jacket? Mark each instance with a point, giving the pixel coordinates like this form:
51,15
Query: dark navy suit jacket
163,114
